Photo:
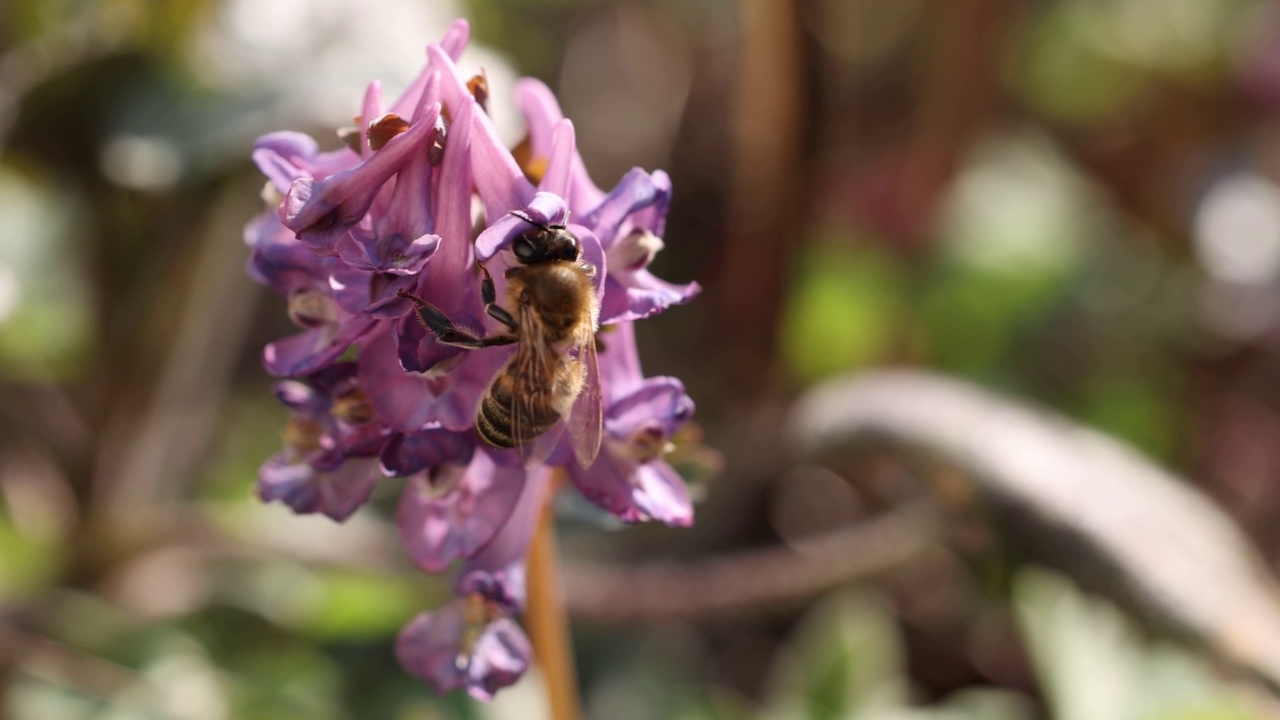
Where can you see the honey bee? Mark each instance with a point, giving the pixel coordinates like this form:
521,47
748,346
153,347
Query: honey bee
552,381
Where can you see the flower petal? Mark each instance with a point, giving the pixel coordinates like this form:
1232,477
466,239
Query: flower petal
542,112
498,571
337,493
544,208
594,254
557,178
428,647
620,372
638,190
456,37
453,208
408,454
499,658
370,110
311,350
300,397
284,157
635,493
447,395
662,495
279,261
439,524
499,180
383,299
320,211
634,295
657,402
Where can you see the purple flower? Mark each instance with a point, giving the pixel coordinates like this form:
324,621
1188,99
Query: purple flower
329,462
372,242
469,643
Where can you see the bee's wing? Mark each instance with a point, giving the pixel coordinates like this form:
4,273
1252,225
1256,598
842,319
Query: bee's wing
587,416
534,371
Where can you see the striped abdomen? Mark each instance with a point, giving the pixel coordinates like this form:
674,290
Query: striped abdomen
493,421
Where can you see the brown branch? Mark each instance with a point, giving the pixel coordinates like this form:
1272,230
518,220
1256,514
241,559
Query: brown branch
748,580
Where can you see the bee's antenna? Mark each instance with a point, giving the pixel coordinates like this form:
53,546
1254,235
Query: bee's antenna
525,217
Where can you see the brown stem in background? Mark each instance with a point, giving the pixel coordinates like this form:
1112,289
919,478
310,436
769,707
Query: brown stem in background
546,620
766,190
958,99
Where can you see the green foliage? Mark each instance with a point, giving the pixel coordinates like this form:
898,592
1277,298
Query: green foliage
1137,408
1062,75
843,661
27,563
842,309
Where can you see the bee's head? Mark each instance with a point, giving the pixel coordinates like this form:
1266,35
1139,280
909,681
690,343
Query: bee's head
547,243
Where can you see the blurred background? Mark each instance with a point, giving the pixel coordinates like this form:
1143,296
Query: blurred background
1074,203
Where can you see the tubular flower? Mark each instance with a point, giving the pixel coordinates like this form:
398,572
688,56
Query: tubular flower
370,245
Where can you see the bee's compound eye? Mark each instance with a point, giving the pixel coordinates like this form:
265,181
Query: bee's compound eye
564,245
523,248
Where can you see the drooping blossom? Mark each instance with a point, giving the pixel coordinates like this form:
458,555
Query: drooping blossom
349,237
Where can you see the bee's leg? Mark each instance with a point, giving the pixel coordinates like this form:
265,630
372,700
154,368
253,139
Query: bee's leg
490,297
434,320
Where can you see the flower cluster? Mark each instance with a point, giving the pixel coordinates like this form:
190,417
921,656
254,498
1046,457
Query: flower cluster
423,191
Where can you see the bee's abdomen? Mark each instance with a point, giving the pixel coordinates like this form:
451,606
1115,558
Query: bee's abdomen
493,421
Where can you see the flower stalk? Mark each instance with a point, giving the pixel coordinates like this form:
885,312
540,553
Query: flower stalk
546,619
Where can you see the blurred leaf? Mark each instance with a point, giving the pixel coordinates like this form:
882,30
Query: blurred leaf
1060,73
841,309
36,698
973,704
331,604
26,563
89,623
1137,408
1093,665
284,682
719,704
986,704
845,659
1189,38
362,605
